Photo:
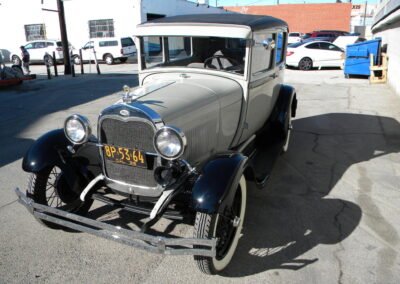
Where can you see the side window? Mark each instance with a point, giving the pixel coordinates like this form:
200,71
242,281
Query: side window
280,47
29,46
313,45
262,57
152,50
50,44
334,47
108,43
88,45
127,41
40,44
324,45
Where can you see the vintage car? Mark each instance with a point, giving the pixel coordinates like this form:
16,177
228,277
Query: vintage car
210,114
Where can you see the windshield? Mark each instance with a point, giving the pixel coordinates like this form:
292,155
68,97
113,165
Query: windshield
293,45
224,54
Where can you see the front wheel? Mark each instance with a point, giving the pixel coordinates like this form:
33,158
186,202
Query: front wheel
50,187
109,59
226,228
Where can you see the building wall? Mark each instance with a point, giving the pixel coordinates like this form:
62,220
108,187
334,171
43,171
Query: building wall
14,14
391,38
305,17
387,26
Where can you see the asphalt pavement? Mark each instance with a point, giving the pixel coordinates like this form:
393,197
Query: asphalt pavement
329,213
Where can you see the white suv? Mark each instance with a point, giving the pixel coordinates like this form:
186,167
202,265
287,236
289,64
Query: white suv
107,49
38,49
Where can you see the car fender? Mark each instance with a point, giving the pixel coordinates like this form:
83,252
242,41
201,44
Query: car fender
216,183
51,150
286,104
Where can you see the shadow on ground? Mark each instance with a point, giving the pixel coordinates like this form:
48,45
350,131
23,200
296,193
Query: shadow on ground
24,105
291,216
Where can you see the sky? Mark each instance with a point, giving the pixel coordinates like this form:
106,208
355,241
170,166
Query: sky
272,2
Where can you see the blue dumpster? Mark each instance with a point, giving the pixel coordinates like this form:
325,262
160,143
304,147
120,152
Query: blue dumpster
357,57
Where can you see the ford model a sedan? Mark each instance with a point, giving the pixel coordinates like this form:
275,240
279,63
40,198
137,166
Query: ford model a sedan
210,114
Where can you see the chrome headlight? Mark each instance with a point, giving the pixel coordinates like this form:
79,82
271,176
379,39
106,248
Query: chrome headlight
77,129
169,142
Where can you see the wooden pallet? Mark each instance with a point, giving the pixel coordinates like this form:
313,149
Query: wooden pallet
378,73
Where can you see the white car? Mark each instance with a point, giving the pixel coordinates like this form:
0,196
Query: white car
307,55
38,49
294,37
107,49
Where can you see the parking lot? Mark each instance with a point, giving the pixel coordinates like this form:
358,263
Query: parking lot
329,213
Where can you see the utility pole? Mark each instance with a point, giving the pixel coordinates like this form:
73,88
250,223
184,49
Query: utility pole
64,37
365,11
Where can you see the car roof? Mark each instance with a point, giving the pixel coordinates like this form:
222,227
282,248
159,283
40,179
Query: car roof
255,22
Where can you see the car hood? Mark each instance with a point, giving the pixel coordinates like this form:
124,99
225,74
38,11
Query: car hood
205,107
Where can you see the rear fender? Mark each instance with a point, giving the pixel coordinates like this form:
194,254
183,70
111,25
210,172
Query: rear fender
215,186
286,103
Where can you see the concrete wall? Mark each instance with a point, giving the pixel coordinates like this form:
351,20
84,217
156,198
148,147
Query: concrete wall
14,14
305,17
391,37
387,27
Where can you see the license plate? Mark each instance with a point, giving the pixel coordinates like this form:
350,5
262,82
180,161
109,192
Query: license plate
126,156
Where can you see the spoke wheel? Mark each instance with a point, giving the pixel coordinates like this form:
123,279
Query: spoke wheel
226,228
305,64
49,187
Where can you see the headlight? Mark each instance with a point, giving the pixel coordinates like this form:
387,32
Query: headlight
170,142
77,129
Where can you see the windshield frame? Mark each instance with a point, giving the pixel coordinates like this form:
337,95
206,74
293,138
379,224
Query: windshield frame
154,69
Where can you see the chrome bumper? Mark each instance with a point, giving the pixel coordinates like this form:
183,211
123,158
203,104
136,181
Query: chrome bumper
155,244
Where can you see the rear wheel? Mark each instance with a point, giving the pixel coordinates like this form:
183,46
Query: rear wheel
48,60
226,228
109,59
305,64
16,60
288,130
77,60
50,187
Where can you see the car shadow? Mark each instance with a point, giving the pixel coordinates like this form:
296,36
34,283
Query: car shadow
24,106
291,215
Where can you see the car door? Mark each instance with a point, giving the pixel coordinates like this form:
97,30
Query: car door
313,51
332,54
87,51
128,46
40,48
264,79
30,48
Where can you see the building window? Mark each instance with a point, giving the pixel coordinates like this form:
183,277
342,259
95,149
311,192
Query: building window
37,31
101,28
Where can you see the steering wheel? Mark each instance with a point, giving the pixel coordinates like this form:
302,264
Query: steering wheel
207,62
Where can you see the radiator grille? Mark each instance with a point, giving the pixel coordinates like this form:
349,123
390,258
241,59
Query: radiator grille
130,134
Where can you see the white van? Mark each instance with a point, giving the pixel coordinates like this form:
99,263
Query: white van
107,49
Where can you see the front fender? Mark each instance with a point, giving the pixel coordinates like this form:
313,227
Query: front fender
51,150
45,151
215,186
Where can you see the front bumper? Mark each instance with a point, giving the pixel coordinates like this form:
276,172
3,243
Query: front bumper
155,244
